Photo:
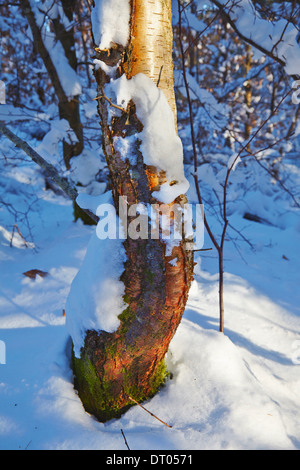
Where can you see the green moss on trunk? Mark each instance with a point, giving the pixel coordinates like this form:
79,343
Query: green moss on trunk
99,393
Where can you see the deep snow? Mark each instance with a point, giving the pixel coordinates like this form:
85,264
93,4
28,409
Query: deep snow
234,391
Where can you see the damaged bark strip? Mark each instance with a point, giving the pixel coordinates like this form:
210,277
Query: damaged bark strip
116,368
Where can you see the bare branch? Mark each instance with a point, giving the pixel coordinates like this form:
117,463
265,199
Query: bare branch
50,170
269,53
125,440
141,406
110,102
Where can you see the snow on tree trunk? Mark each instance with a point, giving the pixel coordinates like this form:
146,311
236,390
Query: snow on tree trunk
57,50
145,158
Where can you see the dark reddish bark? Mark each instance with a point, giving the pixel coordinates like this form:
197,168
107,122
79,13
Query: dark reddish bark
130,362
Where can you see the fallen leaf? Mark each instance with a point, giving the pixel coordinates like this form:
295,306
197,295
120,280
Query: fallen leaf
32,273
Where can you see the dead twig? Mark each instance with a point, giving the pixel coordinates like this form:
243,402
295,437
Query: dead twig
125,440
204,249
28,445
15,227
141,406
110,102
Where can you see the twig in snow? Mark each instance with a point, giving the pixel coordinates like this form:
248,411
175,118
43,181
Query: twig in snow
28,445
15,227
130,398
125,439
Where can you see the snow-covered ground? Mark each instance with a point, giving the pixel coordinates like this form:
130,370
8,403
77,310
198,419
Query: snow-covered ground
234,391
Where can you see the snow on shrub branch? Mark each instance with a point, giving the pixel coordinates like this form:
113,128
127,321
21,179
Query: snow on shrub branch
277,39
44,12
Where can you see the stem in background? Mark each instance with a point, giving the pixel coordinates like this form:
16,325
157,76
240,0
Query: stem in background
187,88
68,108
248,40
219,247
50,170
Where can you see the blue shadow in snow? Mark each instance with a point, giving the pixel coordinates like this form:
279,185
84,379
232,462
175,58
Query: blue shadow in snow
211,323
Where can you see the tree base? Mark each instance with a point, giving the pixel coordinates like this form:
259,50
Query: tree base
106,399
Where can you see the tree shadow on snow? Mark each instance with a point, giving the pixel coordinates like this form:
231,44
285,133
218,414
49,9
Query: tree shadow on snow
211,323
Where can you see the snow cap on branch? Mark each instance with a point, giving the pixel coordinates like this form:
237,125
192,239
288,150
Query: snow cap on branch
110,22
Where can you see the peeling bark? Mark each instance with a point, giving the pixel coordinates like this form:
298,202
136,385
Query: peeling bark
130,361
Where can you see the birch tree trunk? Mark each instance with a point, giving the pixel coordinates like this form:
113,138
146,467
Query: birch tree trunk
129,363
